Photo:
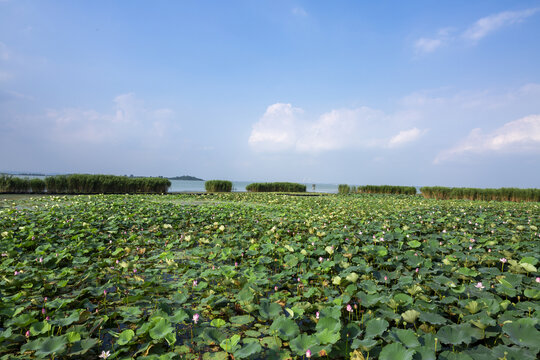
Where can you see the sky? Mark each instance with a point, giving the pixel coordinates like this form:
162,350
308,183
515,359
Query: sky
361,92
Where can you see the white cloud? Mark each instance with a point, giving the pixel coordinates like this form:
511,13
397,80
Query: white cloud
406,136
425,45
283,128
491,23
475,32
130,120
277,128
518,136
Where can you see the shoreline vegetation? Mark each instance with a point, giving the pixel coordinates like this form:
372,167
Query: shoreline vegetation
112,184
448,193
84,184
276,187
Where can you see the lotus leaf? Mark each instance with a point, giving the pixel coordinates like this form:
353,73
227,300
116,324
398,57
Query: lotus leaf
396,351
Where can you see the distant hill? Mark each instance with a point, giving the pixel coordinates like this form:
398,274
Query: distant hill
185,177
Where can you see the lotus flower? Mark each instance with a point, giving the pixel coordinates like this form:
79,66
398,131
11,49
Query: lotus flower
479,286
308,353
195,318
105,355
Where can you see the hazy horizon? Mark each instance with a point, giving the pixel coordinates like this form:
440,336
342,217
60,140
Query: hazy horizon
404,93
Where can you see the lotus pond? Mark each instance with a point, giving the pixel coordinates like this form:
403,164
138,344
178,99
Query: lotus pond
268,276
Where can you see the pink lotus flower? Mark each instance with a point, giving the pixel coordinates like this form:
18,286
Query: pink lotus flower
417,269
503,260
317,315
538,279
308,353
349,308
194,283
479,286
195,318
27,334
43,311
105,354
386,278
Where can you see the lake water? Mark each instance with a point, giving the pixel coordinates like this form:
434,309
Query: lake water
198,186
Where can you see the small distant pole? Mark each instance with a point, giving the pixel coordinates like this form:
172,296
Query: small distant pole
313,187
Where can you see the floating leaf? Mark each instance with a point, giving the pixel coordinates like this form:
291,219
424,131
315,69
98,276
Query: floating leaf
286,328
396,351
125,337
375,327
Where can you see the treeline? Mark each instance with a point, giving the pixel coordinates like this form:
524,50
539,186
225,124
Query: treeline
377,189
502,194
84,184
276,187
218,186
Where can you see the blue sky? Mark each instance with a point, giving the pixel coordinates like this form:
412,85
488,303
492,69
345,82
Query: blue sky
409,93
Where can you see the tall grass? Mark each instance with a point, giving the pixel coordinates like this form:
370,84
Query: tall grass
344,189
502,194
386,189
84,184
12,184
276,187
218,186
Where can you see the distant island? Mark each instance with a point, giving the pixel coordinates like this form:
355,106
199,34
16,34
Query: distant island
185,177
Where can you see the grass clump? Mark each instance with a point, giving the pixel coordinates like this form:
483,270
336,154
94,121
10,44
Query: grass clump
218,186
84,184
276,187
501,194
344,189
387,189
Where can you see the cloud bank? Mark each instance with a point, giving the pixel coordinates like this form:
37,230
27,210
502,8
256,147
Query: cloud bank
475,32
284,128
518,136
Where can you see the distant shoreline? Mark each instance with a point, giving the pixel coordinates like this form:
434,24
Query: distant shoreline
185,177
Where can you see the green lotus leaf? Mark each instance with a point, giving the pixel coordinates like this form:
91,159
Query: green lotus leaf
447,355
458,334
269,310
125,337
396,351
514,353
213,335
528,267
39,328
218,323
161,329
326,336
73,336
375,327
286,328
328,323
248,350
303,342
230,345
414,244
218,355
52,345
522,333
403,299
529,260
425,353
407,337
82,347
179,316
241,320
365,344
271,342
532,293
432,318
